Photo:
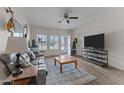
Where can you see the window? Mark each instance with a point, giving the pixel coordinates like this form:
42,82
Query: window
63,42
54,41
17,34
18,29
42,41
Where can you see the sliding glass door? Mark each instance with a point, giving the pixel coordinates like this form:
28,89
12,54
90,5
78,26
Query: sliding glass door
65,44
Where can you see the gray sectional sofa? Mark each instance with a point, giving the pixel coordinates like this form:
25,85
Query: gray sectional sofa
27,58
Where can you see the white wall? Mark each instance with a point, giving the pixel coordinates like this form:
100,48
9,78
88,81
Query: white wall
4,34
112,24
48,31
3,40
19,16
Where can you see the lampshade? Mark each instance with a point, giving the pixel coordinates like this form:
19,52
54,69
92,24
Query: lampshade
16,44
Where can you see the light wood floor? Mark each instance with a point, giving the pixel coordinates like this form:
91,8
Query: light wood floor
105,76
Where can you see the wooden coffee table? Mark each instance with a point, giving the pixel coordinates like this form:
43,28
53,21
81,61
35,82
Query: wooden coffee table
65,60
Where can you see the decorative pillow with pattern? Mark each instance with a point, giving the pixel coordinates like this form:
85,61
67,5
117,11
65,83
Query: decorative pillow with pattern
24,63
31,54
25,57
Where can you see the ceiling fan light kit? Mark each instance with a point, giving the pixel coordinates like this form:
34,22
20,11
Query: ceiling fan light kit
67,18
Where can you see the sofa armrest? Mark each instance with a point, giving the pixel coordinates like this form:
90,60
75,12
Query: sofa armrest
41,77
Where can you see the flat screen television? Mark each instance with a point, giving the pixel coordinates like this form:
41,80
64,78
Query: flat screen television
94,41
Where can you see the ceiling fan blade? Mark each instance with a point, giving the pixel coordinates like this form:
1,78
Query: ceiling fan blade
60,21
73,17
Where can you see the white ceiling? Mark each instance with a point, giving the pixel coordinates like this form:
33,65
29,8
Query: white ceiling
49,16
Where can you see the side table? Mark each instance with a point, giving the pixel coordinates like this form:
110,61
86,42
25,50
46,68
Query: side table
24,78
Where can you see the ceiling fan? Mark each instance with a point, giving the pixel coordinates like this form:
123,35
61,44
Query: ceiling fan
67,18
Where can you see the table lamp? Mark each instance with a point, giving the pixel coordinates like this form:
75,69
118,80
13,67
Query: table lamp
16,45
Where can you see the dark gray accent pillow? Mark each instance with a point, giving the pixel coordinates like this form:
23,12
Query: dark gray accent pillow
5,58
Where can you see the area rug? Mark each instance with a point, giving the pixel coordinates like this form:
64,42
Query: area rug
70,75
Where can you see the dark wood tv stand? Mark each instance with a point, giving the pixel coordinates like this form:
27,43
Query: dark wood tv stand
96,56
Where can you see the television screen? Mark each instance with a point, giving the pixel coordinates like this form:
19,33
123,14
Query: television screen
94,41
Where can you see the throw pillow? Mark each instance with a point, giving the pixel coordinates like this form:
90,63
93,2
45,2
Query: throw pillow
31,54
13,57
25,57
25,60
24,63
11,66
5,57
